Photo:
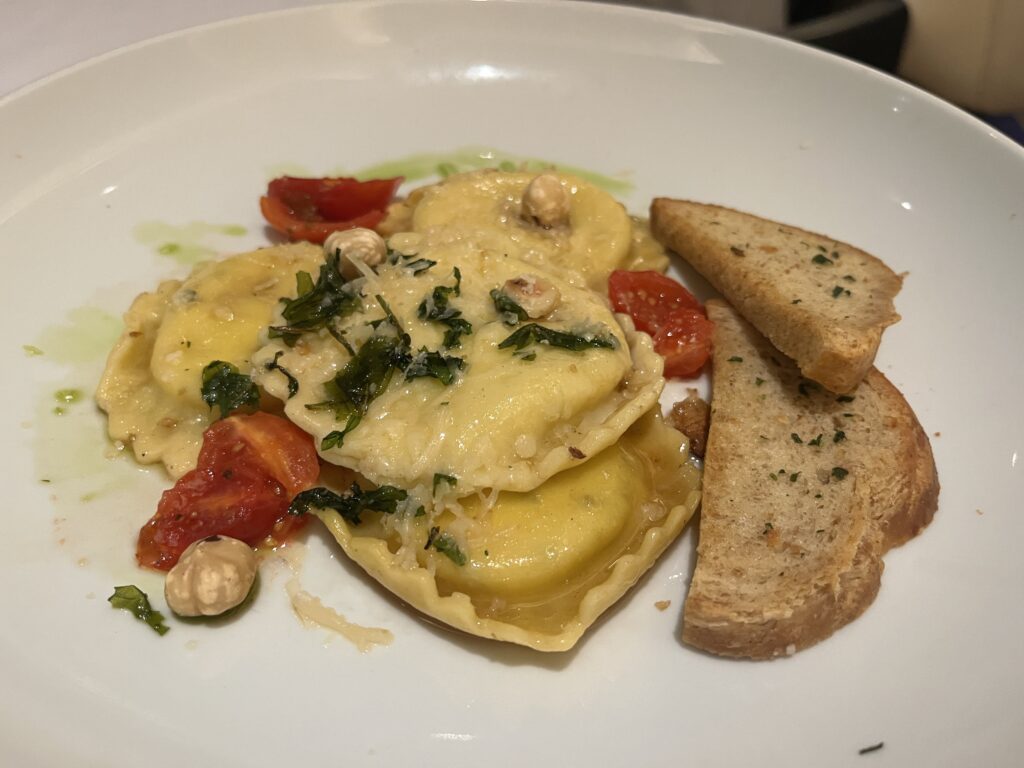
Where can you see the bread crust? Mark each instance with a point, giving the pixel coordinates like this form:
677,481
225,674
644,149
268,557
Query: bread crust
790,548
822,302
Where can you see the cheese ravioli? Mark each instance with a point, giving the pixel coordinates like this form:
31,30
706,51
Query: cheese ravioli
510,418
151,387
538,568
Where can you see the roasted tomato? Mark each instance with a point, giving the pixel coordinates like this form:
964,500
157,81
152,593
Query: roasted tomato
249,469
310,209
669,313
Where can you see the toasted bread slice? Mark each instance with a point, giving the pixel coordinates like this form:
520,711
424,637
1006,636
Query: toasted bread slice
804,491
821,302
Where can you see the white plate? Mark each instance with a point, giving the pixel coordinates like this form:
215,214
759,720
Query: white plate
189,127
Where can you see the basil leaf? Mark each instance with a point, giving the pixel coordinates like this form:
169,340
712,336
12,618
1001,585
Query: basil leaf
351,506
293,383
538,334
316,304
512,314
446,545
433,365
131,598
226,389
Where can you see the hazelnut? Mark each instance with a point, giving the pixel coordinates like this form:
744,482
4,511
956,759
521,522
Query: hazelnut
359,244
212,576
547,202
534,294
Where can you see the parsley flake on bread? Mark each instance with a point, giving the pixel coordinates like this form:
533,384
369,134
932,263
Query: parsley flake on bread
822,302
804,491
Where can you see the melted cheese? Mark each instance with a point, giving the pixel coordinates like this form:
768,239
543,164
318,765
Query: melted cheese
505,422
151,386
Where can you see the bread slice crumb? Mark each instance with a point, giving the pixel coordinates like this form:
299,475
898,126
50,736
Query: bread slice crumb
804,491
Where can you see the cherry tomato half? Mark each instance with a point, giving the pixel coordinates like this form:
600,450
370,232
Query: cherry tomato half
669,313
249,469
310,209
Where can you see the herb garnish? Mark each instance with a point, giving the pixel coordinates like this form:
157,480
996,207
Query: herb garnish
839,291
351,506
737,251
839,473
363,378
839,436
433,365
845,399
227,389
293,383
131,598
446,545
437,307
512,314
822,259
439,478
796,438
317,304
816,441
735,359
538,334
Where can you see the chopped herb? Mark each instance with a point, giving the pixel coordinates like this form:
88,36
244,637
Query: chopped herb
736,251
227,389
796,301
439,478
735,359
838,291
822,259
872,748
538,334
131,598
419,266
763,437
817,495
845,399
839,473
351,506
331,297
768,527
446,545
512,313
773,476
420,511
436,307
796,438
293,383
758,381
839,436
433,365
816,441
793,477
850,278
822,248
835,254
363,378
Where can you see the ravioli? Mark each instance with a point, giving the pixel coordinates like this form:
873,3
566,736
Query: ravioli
510,419
540,567
150,388
485,208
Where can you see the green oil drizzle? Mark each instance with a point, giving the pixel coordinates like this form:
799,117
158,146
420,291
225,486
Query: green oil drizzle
86,335
429,165
31,350
426,165
185,243
67,395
